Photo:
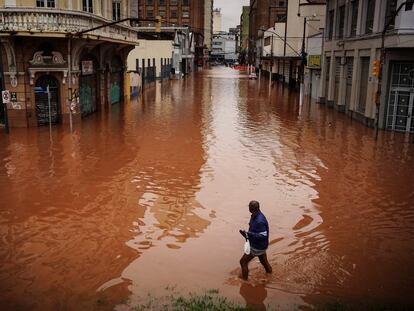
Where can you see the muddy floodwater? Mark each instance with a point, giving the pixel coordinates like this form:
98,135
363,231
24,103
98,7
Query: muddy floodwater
149,196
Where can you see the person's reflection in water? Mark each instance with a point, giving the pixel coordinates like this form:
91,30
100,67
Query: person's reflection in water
254,295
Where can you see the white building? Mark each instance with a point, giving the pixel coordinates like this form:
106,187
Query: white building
224,47
217,21
352,43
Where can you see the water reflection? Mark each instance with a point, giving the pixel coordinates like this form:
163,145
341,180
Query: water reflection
153,193
254,294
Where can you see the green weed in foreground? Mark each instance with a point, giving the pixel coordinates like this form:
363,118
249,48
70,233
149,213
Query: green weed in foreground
209,301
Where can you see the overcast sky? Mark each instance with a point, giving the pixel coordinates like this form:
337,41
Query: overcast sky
231,11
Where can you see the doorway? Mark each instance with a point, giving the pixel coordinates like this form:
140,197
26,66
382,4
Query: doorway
42,102
401,98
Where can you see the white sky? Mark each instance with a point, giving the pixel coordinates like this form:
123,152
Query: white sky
230,11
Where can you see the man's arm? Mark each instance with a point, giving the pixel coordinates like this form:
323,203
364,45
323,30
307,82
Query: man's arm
261,231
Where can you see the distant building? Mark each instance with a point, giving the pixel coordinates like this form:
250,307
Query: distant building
244,34
208,24
279,50
352,43
178,13
224,47
263,15
217,21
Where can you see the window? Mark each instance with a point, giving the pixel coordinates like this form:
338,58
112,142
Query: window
150,2
391,8
161,2
161,13
150,13
281,4
280,18
330,24
186,2
116,10
186,14
267,41
45,3
354,17
173,2
369,22
341,21
173,14
87,6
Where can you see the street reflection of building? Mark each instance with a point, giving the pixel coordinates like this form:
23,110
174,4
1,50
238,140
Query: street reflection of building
352,44
39,48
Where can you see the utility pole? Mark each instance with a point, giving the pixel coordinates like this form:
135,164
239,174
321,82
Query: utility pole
303,54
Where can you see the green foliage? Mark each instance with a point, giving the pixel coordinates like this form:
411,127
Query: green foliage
210,301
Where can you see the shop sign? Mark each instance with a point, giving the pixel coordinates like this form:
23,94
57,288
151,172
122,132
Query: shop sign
314,61
87,67
5,95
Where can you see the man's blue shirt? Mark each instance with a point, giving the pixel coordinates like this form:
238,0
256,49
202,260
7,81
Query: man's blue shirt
258,232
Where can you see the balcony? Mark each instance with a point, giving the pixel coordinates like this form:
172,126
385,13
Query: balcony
60,23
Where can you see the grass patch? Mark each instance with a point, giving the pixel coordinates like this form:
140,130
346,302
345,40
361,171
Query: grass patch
210,301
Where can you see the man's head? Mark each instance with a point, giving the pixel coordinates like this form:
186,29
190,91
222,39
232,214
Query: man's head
254,207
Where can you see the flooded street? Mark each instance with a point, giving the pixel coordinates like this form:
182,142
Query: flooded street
150,195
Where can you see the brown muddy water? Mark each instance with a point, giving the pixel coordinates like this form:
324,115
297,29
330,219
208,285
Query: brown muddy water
150,195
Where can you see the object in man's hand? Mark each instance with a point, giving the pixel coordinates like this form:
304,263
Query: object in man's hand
243,233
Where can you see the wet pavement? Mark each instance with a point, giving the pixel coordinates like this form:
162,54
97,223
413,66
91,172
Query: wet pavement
150,195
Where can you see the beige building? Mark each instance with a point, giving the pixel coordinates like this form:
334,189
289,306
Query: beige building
217,21
42,47
208,23
148,61
352,43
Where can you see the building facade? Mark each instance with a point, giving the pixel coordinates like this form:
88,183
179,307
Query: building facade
352,43
244,35
180,13
281,48
217,21
224,47
43,54
263,15
208,24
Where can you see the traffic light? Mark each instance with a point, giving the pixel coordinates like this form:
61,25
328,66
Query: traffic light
158,24
376,68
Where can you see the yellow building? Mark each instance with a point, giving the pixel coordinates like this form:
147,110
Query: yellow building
42,47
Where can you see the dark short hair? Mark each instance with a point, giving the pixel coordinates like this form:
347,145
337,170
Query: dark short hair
254,205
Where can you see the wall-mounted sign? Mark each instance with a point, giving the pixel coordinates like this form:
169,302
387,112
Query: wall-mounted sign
13,96
5,95
314,61
87,67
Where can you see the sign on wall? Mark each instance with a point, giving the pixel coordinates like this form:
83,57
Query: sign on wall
314,61
5,96
87,67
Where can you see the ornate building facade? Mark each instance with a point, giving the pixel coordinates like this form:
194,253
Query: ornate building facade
43,55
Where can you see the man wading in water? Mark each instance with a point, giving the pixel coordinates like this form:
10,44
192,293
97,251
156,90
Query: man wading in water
258,236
